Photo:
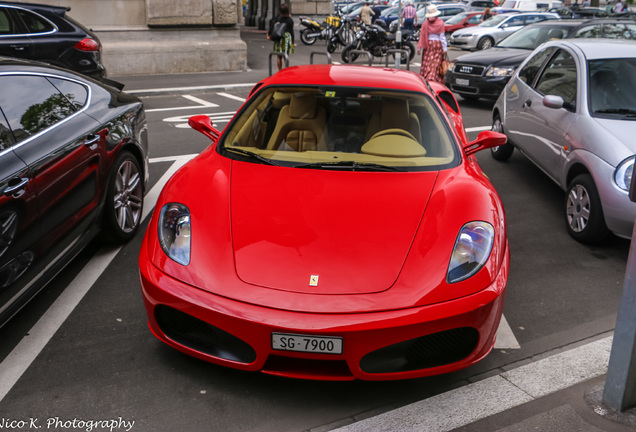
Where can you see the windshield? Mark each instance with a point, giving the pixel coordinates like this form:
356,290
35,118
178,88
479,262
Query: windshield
531,37
493,21
612,87
341,128
458,18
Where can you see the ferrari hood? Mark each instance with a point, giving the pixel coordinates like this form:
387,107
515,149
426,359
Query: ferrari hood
326,232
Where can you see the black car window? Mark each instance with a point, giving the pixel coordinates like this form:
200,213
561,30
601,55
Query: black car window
619,31
559,78
5,22
74,92
529,72
6,137
590,31
35,23
32,104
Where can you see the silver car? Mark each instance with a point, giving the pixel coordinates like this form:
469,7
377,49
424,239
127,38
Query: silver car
571,109
494,29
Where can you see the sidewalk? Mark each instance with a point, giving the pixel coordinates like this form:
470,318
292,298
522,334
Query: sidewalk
558,391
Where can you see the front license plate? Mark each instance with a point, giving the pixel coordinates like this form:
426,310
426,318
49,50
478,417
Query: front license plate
306,343
462,82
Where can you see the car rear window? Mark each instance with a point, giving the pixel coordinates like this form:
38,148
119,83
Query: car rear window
35,23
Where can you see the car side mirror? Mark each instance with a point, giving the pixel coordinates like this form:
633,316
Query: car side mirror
203,124
485,140
557,102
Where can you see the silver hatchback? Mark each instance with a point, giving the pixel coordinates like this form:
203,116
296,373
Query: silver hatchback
571,109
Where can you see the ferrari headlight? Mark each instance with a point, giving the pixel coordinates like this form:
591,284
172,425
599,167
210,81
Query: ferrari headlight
471,251
623,174
174,232
500,71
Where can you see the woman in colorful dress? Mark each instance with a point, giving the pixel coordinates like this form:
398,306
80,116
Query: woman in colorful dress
286,44
432,45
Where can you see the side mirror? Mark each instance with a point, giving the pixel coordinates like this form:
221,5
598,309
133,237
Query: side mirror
485,140
203,124
557,102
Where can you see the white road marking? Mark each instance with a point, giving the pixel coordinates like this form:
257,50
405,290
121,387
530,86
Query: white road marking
229,96
191,89
202,104
21,357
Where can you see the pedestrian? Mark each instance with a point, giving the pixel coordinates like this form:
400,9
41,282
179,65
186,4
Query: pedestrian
433,46
377,11
618,7
486,14
408,19
366,14
286,43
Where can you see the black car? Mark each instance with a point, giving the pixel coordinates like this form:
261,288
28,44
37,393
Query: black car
73,163
48,34
484,74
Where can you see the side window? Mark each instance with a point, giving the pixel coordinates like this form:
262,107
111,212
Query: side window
514,22
618,31
6,26
32,104
76,94
591,31
475,19
534,18
6,137
35,23
529,72
559,78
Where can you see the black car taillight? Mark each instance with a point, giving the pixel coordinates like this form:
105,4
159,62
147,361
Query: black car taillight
87,44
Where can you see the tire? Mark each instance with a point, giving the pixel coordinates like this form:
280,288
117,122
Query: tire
408,46
504,152
485,43
332,45
583,211
345,54
305,38
124,199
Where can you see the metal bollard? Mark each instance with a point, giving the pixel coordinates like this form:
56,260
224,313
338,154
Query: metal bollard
278,54
402,54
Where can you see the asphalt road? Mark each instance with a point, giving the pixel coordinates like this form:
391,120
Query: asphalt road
82,350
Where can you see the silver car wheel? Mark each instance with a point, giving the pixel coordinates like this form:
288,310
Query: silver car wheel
578,208
128,196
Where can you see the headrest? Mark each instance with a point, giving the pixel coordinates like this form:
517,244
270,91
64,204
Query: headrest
395,114
302,106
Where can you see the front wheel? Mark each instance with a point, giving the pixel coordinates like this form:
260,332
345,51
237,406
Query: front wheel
583,211
504,152
485,43
305,38
124,199
347,55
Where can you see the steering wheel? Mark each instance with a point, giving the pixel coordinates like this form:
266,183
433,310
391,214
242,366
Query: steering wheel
401,132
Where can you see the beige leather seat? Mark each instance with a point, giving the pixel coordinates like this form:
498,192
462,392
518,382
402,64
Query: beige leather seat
301,126
395,115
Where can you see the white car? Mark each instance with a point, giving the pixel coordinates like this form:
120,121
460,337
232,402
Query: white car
494,29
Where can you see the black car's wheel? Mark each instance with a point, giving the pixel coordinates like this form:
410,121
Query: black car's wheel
305,38
347,56
500,153
583,211
485,43
124,199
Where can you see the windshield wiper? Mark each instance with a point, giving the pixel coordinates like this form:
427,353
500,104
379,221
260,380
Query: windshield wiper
250,154
622,111
354,166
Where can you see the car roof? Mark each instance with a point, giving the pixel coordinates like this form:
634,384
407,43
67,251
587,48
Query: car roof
580,21
348,76
59,10
599,48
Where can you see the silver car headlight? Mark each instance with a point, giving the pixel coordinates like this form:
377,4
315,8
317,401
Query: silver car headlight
500,71
174,232
623,174
472,250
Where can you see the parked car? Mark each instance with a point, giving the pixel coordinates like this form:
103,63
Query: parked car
531,5
48,34
496,28
586,12
462,20
73,161
571,109
484,74
264,252
447,11
478,5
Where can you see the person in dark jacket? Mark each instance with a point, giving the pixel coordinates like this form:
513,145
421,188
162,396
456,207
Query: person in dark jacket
286,44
